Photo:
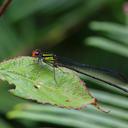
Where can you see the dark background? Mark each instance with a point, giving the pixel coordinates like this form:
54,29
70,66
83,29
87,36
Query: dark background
71,29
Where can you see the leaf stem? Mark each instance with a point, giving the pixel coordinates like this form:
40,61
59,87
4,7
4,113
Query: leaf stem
4,6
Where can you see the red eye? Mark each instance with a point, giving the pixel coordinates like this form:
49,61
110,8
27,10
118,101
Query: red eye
35,53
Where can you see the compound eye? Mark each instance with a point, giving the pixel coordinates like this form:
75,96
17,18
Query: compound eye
35,53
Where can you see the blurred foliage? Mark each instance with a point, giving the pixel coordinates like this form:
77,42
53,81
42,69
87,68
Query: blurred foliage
117,34
67,28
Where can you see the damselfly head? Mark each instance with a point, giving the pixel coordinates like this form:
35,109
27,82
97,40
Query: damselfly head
36,53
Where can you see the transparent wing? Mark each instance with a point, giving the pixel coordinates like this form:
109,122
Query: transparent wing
111,77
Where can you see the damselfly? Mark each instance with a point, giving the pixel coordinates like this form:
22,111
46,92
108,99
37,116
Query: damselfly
108,76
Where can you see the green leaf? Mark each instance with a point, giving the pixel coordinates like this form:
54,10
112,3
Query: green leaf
108,45
72,118
112,30
38,82
4,124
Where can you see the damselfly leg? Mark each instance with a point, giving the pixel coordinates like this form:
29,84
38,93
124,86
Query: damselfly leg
108,76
